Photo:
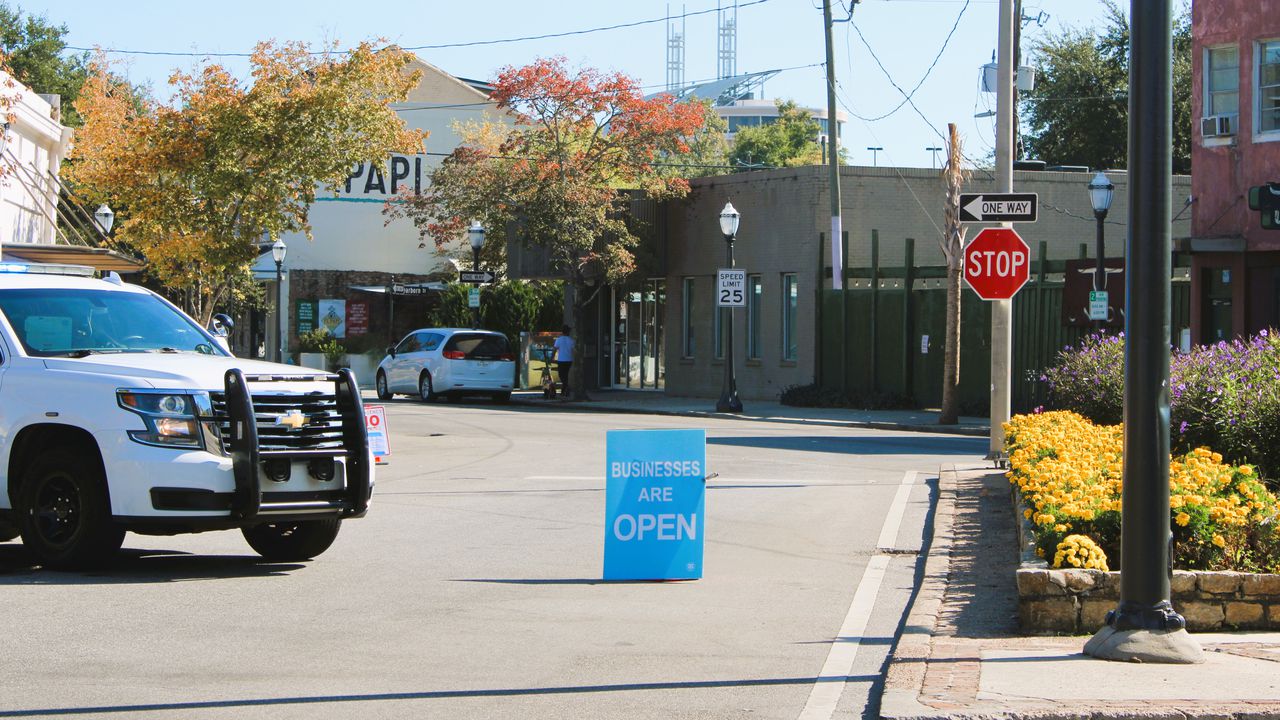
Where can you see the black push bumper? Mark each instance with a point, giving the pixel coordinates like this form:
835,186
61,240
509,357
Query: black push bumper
247,456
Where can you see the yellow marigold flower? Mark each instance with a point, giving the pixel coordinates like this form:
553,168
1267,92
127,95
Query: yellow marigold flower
1060,528
1219,541
1182,519
1246,470
1039,552
1027,513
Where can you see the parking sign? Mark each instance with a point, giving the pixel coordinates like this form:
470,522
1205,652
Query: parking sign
731,288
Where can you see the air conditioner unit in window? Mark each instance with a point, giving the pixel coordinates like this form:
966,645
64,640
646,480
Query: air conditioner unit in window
1218,126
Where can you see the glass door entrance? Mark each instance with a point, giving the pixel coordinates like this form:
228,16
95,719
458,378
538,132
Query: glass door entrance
637,336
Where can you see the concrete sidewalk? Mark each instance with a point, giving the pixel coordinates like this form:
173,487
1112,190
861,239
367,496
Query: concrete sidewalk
658,403
960,655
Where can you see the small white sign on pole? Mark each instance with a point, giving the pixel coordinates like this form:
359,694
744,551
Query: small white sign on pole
375,424
1097,304
731,288
473,297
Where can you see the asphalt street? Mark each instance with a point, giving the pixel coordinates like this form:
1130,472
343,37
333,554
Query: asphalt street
473,588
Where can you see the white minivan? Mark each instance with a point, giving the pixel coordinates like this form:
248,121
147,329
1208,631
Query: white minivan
448,362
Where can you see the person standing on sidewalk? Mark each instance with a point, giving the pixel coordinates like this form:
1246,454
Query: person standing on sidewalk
564,358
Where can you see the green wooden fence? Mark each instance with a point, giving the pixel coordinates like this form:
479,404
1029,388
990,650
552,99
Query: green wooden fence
895,321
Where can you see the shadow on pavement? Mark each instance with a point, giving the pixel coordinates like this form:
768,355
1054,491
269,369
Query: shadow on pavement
877,445
428,695
132,565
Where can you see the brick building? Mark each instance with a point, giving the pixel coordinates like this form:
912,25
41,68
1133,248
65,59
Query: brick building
784,212
1235,101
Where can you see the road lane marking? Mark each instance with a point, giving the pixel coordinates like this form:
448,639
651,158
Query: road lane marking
826,692
893,521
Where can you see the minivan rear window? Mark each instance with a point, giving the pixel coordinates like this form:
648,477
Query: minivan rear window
480,346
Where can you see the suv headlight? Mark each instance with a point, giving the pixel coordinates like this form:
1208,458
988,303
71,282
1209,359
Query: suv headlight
179,420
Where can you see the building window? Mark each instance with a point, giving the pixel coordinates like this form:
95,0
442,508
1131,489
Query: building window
686,336
1268,93
754,292
1222,81
790,316
719,320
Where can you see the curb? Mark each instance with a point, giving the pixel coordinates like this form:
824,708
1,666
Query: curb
970,431
905,678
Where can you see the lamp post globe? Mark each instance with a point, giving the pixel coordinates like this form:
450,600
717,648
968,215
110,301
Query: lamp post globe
1100,192
729,401
278,251
105,218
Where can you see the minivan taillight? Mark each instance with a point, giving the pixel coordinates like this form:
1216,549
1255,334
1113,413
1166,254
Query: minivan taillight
454,355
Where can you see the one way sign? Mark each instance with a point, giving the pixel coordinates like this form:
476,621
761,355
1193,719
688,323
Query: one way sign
990,207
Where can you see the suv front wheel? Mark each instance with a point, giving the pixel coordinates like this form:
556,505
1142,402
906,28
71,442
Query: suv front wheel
292,541
64,514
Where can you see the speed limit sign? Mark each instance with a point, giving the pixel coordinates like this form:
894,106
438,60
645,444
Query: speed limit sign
731,288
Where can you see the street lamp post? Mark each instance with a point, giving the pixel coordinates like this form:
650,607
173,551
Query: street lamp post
475,234
1100,190
729,401
935,151
278,250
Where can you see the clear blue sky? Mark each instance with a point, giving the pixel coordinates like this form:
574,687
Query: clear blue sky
905,35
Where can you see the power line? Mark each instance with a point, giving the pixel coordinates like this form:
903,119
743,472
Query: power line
907,96
439,46
602,92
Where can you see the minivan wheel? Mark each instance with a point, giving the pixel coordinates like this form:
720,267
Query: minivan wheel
381,383
63,512
425,389
292,541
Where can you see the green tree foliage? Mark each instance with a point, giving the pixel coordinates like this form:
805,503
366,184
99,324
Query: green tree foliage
1079,111
204,180
789,141
507,307
38,58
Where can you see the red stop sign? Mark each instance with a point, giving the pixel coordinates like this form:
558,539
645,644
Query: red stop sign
997,263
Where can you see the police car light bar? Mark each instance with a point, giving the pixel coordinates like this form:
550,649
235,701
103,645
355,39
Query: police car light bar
46,269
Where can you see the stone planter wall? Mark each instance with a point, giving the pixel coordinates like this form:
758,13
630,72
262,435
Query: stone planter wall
1077,601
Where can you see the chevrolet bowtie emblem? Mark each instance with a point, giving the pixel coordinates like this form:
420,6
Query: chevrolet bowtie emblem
294,420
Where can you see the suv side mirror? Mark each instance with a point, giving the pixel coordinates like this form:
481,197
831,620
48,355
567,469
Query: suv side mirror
391,350
220,326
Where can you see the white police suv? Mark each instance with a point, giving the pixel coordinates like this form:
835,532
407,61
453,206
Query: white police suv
120,413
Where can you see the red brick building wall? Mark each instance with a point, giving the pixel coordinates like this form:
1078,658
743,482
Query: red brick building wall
1235,263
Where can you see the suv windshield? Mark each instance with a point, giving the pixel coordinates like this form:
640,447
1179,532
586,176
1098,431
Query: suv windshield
481,346
77,322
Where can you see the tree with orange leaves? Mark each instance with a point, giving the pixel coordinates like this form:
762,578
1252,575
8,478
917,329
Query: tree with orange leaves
577,140
201,184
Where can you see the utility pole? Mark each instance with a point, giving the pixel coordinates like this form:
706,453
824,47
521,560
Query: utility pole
1002,310
833,166
1144,626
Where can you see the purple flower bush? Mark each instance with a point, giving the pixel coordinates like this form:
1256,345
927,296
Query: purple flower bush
1225,396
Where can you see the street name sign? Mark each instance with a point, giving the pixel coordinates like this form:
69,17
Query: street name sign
731,288
402,289
655,499
997,263
1098,304
475,277
999,207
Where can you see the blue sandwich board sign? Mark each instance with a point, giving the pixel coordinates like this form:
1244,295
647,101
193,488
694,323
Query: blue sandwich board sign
655,493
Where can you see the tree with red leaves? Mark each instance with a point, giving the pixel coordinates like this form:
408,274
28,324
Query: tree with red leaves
574,142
